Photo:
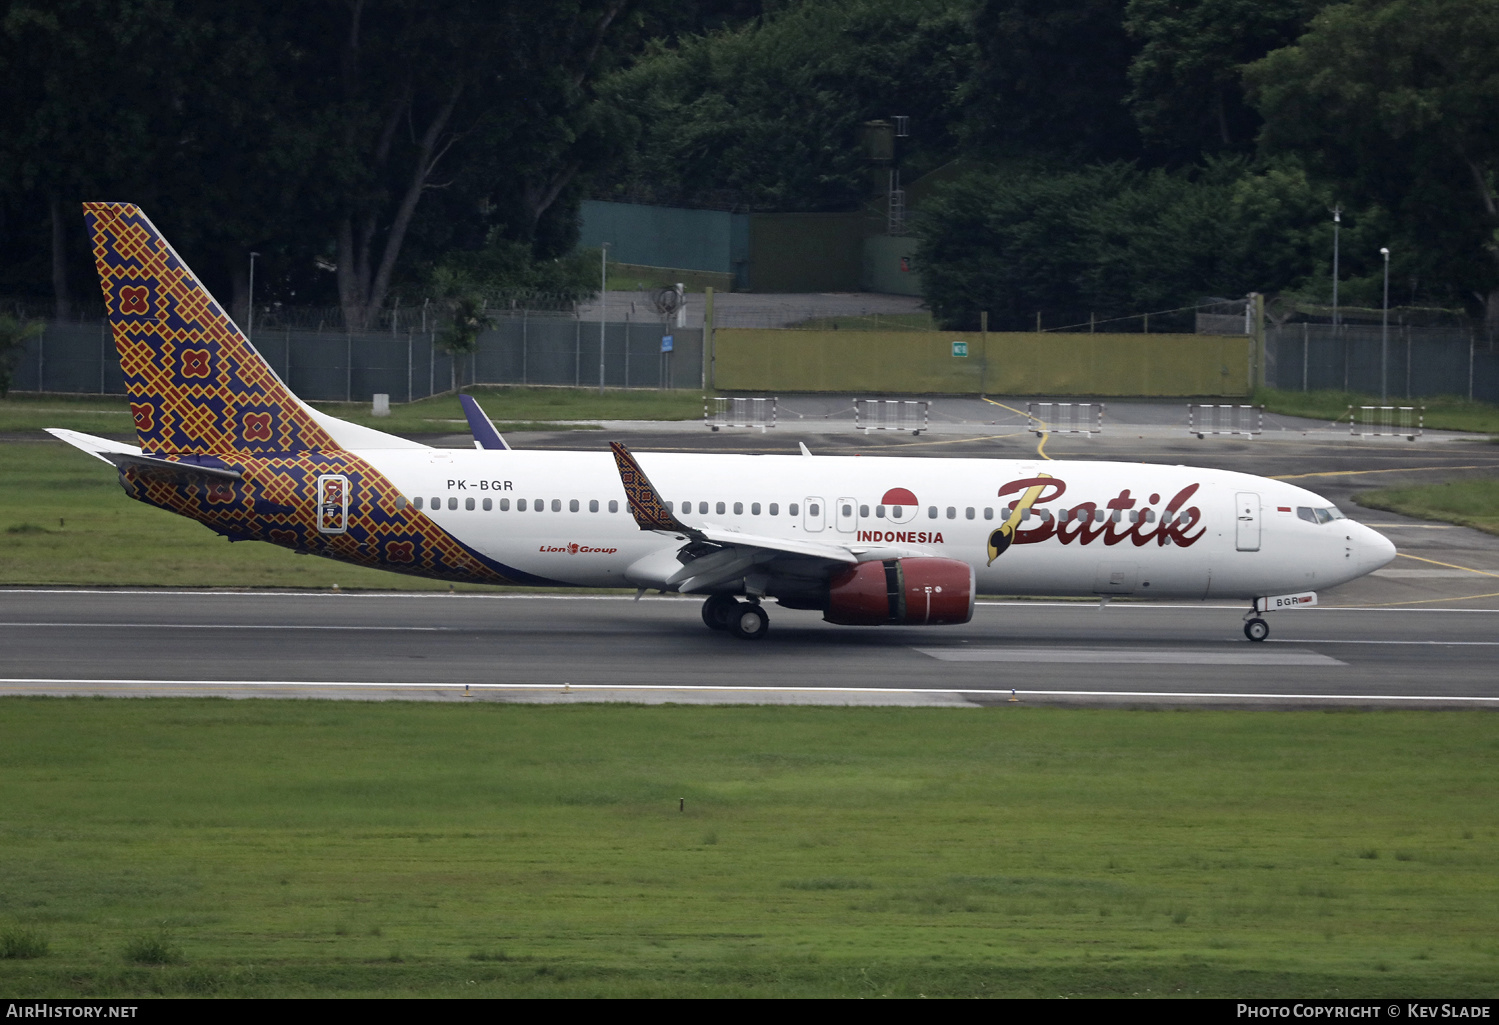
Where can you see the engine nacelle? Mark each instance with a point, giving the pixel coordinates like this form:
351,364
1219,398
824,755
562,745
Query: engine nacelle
913,592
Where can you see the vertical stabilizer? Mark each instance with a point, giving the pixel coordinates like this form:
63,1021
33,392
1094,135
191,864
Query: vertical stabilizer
196,385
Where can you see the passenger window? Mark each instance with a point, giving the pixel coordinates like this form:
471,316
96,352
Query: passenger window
668,507
720,508
1025,516
468,504
436,504
593,505
848,510
417,502
702,508
504,505
988,512
754,508
738,508
453,503
572,506
1148,516
614,506
952,512
520,505
400,501
864,512
556,505
540,505
791,509
775,510
879,512
812,510
1116,515
968,513
488,504
931,512
1099,515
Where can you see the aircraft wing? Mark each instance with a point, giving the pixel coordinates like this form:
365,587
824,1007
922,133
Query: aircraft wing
713,554
121,456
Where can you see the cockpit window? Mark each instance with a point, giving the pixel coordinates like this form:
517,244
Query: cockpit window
1327,515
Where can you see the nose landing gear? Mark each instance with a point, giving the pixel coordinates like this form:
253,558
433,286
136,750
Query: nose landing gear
745,620
1255,628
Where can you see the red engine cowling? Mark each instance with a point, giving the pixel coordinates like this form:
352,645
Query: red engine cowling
914,592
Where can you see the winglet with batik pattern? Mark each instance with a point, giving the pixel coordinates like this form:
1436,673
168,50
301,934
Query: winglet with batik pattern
645,504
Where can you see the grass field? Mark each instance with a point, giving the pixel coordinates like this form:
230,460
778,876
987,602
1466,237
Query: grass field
1472,503
319,848
1443,412
509,408
65,520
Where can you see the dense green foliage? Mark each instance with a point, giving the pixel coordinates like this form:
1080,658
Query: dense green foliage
1242,122
343,848
769,115
1116,156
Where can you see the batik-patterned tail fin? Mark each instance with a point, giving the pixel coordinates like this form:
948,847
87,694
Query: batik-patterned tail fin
196,385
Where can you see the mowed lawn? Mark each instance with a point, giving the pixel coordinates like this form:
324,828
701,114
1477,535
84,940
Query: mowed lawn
284,848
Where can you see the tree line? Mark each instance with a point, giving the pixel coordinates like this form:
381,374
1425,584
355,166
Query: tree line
1093,155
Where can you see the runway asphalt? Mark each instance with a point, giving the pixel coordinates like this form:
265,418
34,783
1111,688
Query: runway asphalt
570,649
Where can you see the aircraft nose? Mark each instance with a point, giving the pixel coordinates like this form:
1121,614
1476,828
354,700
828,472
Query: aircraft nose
1374,550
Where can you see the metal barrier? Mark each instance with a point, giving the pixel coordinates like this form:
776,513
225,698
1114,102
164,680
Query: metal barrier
1205,418
1064,417
1387,421
729,411
912,415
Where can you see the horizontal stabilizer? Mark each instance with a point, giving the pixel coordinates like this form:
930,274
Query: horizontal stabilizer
123,456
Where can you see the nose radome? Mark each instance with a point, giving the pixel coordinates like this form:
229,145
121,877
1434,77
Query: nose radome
1375,550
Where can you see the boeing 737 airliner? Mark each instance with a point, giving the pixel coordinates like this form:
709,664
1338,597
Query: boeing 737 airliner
865,541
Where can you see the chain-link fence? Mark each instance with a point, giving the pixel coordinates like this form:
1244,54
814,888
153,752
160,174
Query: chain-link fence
1405,362
519,348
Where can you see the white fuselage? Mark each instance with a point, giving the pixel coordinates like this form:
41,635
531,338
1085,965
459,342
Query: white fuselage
1250,536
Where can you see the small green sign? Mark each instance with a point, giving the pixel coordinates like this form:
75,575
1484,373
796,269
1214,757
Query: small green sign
960,349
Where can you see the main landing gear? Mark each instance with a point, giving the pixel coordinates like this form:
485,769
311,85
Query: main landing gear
1255,628
744,619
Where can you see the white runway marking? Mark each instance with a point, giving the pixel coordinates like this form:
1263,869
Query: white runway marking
835,695
1132,656
1437,644
237,626
1424,574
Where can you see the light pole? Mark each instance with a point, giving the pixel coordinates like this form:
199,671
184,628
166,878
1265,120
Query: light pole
603,306
1384,332
250,312
1337,223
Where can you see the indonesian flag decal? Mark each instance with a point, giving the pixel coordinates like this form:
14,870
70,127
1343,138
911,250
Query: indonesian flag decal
901,504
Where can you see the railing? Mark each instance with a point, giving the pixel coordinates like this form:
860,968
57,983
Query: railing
1064,417
912,415
1387,421
1207,418
726,411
